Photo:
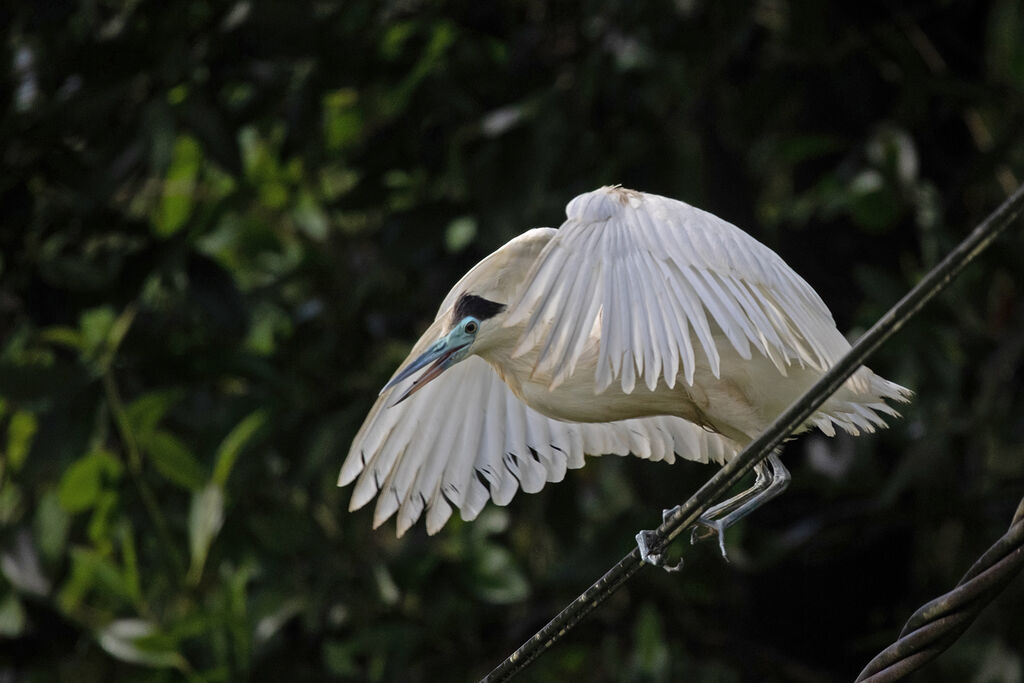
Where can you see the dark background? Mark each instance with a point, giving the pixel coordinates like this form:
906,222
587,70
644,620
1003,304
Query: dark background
222,226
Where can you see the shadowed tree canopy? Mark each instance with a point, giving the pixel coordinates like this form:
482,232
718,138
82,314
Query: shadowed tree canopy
224,224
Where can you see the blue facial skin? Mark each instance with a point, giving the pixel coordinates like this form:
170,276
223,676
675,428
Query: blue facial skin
444,353
460,339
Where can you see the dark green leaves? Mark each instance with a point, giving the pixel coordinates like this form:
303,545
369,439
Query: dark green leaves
224,226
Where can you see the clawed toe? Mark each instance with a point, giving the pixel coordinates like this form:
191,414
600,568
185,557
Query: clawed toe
701,532
645,541
706,529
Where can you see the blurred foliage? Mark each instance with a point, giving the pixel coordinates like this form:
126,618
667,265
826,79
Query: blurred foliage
224,223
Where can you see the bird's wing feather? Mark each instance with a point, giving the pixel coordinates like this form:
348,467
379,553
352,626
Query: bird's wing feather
465,438
656,281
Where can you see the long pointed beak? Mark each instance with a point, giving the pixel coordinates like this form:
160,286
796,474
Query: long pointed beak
438,357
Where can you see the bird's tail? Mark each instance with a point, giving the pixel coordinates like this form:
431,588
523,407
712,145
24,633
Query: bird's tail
855,411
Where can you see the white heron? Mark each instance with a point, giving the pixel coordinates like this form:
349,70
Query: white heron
642,325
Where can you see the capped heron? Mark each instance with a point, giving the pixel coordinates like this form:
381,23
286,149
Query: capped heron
642,325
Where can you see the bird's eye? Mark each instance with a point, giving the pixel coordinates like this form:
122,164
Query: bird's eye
471,327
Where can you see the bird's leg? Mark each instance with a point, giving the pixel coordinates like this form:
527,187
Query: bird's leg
770,483
762,479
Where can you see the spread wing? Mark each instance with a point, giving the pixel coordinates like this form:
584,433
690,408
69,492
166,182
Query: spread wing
466,438
657,281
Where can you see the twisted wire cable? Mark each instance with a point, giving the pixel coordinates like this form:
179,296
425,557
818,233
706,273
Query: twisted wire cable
937,624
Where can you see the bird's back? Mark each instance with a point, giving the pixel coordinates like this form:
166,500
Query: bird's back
643,305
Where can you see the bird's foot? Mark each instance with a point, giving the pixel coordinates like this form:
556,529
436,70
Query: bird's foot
645,541
706,528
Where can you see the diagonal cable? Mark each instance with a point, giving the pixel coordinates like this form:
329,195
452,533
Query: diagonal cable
687,514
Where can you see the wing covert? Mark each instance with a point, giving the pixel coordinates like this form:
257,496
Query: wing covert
661,283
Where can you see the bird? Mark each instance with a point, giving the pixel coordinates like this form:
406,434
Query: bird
642,325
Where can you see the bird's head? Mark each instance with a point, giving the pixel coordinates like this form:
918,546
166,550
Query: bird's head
472,317
472,326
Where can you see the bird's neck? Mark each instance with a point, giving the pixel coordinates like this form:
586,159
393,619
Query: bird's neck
498,352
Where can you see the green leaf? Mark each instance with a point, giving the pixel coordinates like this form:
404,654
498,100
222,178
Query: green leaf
310,216
118,329
460,233
101,521
238,621
51,526
101,333
96,324
336,181
92,572
145,412
205,518
387,589
22,428
136,641
130,561
63,335
11,503
268,323
174,461
233,443
343,124
394,39
12,616
82,483
179,184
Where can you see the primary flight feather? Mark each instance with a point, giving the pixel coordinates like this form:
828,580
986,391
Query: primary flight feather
642,325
